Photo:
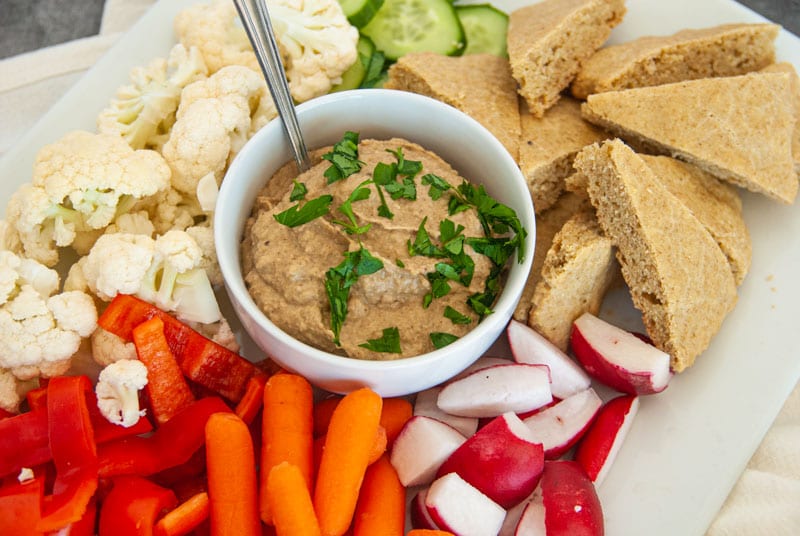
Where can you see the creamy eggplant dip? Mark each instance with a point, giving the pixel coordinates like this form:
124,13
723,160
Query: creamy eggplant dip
379,251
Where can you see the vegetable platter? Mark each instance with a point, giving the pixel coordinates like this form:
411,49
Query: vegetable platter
688,444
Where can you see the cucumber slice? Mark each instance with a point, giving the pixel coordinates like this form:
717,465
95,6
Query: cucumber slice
360,12
485,27
403,26
353,76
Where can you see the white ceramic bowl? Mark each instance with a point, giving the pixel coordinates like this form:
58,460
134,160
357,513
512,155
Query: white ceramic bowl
373,113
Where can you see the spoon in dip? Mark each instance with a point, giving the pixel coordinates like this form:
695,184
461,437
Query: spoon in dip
256,21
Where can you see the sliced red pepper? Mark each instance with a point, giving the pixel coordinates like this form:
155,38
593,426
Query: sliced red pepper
166,387
172,444
74,452
21,507
105,430
202,360
24,441
5,414
133,506
253,398
37,398
84,527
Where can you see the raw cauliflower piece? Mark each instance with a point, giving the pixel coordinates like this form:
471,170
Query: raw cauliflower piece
144,110
9,392
165,271
171,209
9,237
80,184
214,120
204,236
40,330
213,28
133,223
317,44
118,389
108,348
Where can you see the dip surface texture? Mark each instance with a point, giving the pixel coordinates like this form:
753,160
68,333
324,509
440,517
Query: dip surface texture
285,267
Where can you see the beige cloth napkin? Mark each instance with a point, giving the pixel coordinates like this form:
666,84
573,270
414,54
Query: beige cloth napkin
766,499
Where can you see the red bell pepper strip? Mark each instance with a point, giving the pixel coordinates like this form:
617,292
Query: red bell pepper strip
253,398
24,441
202,360
133,506
37,398
21,507
74,452
84,527
166,387
5,414
105,430
173,443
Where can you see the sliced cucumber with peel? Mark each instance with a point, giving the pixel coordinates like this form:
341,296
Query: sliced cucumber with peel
360,12
485,27
403,26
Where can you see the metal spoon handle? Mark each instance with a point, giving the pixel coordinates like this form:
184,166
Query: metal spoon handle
257,24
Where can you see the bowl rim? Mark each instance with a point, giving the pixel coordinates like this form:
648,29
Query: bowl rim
230,265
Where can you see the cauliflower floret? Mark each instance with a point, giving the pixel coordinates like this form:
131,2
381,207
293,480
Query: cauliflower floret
39,331
214,121
108,348
204,236
166,271
213,28
133,223
118,389
317,44
143,112
9,238
9,394
80,184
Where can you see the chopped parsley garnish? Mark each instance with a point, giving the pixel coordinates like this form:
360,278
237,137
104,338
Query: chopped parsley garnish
455,317
388,343
422,244
343,158
351,226
387,175
339,279
441,339
299,191
438,186
310,210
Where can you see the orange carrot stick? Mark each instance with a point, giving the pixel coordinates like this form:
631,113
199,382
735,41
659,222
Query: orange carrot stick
350,438
166,387
428,532
286,432
253,398
232,486
322,414
395,413
185,518
377,450
290,502
381,507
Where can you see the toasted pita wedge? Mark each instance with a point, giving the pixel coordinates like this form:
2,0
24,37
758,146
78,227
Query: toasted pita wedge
737,128
548,41
786,67
678,276
726,50
479,85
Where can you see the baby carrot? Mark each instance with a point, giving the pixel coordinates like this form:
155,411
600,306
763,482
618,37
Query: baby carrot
290,502
350,438
381,507
428,532
377,450
395,413
185,518
286,432
232,493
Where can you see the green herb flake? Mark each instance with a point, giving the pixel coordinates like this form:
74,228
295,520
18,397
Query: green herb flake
388,342
360,193
298,215
455,317
438,186
299,191
343,158
441,339
340,278
422,244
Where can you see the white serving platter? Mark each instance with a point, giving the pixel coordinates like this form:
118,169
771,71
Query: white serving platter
690,443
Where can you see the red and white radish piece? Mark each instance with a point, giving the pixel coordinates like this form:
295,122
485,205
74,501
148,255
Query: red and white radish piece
498,389
571,505
425,404
528,346
532,520
483,362
600,444
421,447
501,460
513,515
560,426
460,508
420,518
618,358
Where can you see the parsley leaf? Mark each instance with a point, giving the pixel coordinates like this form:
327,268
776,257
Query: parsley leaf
343,158
351,226
389,342
298,215
440,339
422,244
438,185
340,278
299,191
456,317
